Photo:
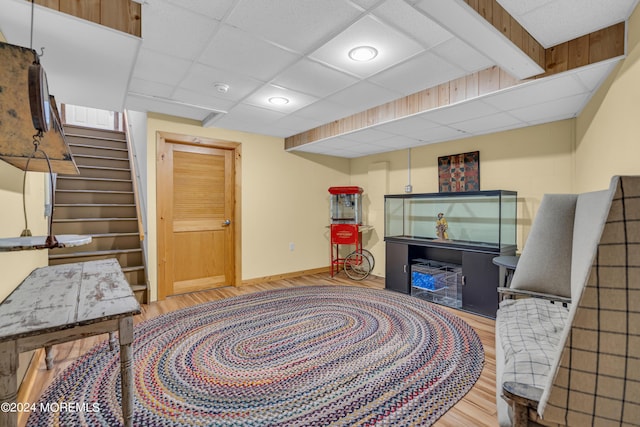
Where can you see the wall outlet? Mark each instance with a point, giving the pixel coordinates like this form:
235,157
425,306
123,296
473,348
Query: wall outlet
292,246
408,188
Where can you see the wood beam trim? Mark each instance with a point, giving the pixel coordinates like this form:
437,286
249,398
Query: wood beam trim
121,15
589,49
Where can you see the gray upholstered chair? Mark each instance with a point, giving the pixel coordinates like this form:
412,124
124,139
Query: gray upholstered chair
579,364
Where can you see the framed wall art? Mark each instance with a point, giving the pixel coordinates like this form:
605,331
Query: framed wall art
459,172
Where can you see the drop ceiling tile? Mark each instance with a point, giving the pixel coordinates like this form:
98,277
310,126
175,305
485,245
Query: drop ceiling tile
314,78
413,127
393,47
520,7
248,118
494,122
560,21
458,112
462,55
202,99
145,104
202,78
553,110
147,87
325,111
309,21
297,124
535,92
163,30
297,100
406,19
593,75
442,133
367,135
238,51
363,96
399,142
160,68
418,73
212,9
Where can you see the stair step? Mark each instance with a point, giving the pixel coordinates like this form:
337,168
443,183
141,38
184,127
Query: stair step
134,268
62,220
90,131
104,168
93,156
93,137
95,205
87,178
92,160
95,253
72,144
94,191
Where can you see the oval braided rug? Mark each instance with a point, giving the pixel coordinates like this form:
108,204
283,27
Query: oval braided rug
311,356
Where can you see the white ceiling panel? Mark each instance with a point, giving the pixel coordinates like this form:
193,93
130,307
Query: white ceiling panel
564,107
557,21
493,122
238,51
163,30
158,67
212,9
393,47
458,52
402,16
418,73
412,127
593,75
460,112
203,78
310,21
314,78
363,95
367,135
325,111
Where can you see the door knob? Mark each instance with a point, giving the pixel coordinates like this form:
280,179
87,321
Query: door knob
226,222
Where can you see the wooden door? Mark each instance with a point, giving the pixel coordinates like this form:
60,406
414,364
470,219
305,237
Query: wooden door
196,245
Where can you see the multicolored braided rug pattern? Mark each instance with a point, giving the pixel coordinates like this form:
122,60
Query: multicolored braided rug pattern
309,356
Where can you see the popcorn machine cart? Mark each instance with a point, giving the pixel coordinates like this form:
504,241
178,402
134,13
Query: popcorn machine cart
346,229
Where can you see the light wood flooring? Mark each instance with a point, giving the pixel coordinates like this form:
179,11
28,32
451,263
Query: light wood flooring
476,409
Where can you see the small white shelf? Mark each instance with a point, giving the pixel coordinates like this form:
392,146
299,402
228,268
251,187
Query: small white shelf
10,244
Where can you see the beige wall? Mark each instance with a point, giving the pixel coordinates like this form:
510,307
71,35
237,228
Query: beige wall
531,161
15,266
608,130
284,200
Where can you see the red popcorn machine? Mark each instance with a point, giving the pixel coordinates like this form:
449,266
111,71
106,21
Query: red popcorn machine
346,229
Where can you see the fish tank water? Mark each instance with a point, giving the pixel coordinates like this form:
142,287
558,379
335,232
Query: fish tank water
484,219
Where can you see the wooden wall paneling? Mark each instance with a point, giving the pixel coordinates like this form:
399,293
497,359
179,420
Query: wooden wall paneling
557,59
488,80
485,9
458,90
473,85
607,43
51,4
443,95
122,15
578,51
507,80
501,20
85,9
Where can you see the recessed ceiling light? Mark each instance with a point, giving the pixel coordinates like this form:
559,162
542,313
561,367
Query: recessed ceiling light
363,53
278,100
221,87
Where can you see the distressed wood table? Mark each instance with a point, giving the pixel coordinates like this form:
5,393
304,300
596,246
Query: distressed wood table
62,303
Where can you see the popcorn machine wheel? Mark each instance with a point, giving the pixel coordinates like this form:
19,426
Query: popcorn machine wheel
359,263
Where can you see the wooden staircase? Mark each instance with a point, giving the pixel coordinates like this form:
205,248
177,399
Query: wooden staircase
100,202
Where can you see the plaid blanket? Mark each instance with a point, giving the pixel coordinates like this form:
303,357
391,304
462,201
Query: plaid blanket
530,331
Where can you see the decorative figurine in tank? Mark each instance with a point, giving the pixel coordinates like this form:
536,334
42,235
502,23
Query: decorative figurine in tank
441,227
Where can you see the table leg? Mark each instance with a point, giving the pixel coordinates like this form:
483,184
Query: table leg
125,329
8,382
48,359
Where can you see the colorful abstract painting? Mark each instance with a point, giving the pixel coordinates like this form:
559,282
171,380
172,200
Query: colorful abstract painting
459,172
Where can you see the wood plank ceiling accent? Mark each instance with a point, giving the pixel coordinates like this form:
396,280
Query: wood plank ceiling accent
588,49
121,15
